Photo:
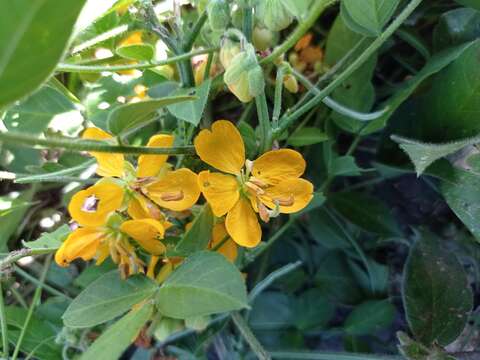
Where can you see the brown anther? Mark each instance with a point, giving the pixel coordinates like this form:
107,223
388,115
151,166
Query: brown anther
285,202
258,190
172,196
257,182
263,212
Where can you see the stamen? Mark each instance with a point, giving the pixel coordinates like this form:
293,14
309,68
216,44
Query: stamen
90,204
248,167
257,182
285,202
263,211
258,190
172,196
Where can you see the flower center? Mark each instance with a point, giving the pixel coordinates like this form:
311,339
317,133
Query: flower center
90,204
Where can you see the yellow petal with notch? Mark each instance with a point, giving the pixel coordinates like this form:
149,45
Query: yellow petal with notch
292,195
150,165
81,243
221,147
242,224
91,207
277,165
177,190
220,190
109,164
147,233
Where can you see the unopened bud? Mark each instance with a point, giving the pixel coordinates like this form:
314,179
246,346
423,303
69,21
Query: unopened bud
274,14
290,83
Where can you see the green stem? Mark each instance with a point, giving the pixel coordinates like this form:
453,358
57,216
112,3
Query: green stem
35,300
194,32
3,324
249,337
16,255
248,22
35,281
55,175
319,355
302,28
277,104
74,144
264,122
113,68
289,118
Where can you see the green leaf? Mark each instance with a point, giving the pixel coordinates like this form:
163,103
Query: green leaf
271,311
307,136
471,3
456,27
44,108
365,211
50,241
128,116
199,235
39,335
436,293
107,298
312,310
460,189
368,16
326,231
423,154
344,166
450,109
192,111
206,283
357,92
335,279
142,52
13,212
436,63
33,38
369,317
113,342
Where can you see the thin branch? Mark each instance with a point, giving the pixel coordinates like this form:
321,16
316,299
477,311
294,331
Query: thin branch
249,337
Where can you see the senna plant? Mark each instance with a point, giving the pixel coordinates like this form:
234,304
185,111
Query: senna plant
240,179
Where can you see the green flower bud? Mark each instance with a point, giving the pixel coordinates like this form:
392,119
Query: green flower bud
274,14
263,38
244,77
218,12
228,50
290,83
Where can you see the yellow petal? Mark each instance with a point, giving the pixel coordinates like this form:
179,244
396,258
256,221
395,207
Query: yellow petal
139,207
109,164
221,191
242,224
151,266
178,190
81,243
91,207
229,247
277,165
150,165
222,147
295,194
147,233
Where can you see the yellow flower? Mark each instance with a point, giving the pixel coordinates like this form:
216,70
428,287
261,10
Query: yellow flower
223,243
175,190
269,185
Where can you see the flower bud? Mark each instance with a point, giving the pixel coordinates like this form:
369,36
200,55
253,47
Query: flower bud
228,50
218,12
290,83
244,77
274,14
263,38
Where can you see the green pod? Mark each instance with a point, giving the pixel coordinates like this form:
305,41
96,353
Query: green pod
218,12
263,38
274,14
229,48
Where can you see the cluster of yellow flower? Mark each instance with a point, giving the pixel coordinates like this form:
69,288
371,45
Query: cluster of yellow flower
131,207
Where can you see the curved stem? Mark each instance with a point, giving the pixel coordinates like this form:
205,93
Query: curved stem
301,29
289,118
113,68
90,145
277,104
249,337
194,32
3,323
